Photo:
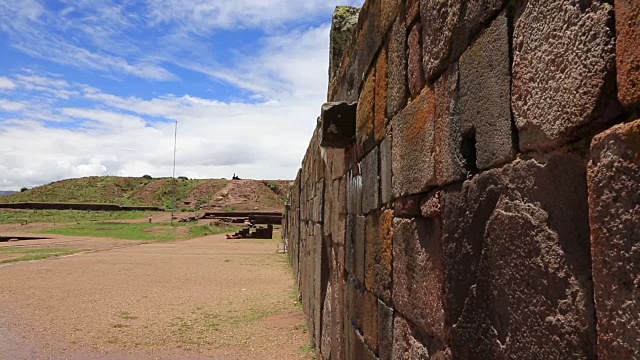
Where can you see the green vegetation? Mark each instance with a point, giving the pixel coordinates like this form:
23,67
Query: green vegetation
139,231
65,216
33,254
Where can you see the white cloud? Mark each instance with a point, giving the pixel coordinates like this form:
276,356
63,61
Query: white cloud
204,15
11,106
6,84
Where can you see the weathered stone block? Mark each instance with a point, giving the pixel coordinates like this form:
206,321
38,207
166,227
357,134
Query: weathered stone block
359,246
370,321
385,170
355,299
380,123
384,257
563,71
412,149
449,161
485,100
370,181
418,283
407,343
372,248
614,195
628,51
369,38
365,113
389,11
397,69
327,324
338,122
532,216
449,27
350,248
415,72
385,331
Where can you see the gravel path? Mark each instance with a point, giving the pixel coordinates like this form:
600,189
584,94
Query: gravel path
195,299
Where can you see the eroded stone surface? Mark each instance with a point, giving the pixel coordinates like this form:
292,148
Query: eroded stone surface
397,69
405,344
385,329
380,123
385,170
449,165
562,71
449,27
412,148
530,215
614,195
628,51
365,112
370,181
485,100
418,282
415,72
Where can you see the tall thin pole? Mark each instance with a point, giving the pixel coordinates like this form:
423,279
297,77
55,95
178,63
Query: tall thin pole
173,196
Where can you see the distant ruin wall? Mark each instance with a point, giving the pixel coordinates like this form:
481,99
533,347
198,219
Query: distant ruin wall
489,204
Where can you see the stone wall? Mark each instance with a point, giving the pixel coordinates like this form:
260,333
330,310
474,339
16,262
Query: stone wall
488,205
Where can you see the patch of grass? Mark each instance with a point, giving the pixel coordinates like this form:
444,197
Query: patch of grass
125,231
34,254
308,350
126,315
139,231
65,216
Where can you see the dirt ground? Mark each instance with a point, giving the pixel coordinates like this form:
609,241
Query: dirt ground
193,299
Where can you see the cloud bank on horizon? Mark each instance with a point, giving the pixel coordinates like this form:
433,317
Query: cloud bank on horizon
94,87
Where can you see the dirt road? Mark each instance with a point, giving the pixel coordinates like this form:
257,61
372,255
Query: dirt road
195,299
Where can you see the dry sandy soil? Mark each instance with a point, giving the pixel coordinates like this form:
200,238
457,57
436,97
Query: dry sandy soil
194,299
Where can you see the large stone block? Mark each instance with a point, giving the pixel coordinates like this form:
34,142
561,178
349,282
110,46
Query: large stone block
485,97
418,283
532,216
413,146
385,331
448,28
379,254
365,113
405,344
628,51
449,163
380,123
327,324
385,170
369,38
614,195
563,71
370,321
359,248
397,69
370,181
389,12
414,70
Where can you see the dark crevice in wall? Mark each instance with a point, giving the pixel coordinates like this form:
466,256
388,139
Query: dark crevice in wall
469,151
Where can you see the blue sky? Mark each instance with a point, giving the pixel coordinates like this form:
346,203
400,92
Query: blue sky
94,87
